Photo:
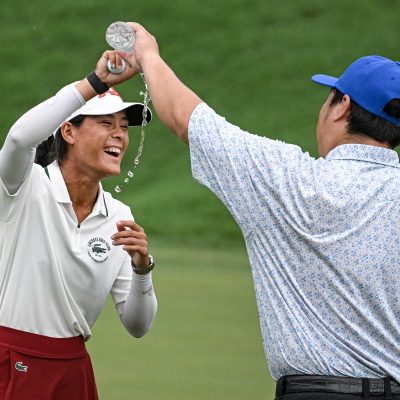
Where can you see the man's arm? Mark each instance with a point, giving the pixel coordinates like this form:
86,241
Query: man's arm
172,100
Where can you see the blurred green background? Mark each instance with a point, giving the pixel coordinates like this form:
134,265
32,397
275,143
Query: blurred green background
252,62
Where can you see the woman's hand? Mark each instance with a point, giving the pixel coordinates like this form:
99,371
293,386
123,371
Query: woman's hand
134,241
108,77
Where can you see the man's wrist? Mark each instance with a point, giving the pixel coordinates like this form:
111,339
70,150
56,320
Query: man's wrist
149,61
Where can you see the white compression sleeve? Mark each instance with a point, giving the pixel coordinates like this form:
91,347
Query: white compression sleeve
137,312
35,126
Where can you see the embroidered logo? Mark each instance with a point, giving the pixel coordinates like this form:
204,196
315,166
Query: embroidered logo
21,367
111,92
149,291
98,249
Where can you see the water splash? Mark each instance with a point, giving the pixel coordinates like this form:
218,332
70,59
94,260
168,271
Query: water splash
146,100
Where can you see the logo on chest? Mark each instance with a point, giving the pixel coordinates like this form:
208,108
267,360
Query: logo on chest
98,249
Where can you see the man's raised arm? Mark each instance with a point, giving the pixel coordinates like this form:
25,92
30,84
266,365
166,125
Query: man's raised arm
172,100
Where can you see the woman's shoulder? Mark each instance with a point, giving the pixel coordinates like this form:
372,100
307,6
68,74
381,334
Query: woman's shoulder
117,207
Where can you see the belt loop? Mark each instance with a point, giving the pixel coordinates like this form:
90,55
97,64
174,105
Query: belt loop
365,388
279,388
388,388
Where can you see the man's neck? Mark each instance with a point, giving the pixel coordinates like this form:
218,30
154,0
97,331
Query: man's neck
346,138
362,139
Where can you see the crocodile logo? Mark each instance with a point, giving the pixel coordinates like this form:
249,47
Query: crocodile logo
98,249
21,367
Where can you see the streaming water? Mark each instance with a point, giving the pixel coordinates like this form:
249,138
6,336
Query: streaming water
130,174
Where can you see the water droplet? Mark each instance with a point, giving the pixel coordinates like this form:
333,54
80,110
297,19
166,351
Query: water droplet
136,161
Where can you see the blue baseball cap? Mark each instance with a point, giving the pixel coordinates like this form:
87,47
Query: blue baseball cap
370,81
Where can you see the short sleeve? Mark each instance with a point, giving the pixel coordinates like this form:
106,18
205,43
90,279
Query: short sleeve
244,170
122,283
8,202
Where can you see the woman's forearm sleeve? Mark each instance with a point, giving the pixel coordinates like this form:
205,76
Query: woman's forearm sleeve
36,125
139,309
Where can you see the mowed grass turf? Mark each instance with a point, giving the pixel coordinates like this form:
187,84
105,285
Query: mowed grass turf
249,59
205,342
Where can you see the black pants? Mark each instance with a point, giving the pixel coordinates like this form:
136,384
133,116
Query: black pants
307,387
332,396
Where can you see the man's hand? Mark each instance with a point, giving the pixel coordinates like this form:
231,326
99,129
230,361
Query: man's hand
173,101
134,241
145,46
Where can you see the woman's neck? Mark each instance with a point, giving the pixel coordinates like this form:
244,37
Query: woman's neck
82,191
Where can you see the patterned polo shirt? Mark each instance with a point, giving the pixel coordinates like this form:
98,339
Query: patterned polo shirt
323,238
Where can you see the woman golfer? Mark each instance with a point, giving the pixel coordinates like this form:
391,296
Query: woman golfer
65,243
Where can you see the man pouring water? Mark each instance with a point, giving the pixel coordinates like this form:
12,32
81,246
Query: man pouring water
322,234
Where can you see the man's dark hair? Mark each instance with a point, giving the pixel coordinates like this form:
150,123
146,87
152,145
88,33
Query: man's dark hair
362,122
55,147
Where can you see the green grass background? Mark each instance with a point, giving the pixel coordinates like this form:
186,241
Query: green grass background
252,62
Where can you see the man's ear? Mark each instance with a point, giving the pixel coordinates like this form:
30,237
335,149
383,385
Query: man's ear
342,109
67,132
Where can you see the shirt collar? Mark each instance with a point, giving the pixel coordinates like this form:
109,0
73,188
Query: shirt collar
362,152
61,192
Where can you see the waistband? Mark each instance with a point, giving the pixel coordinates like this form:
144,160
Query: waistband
42,346
336,384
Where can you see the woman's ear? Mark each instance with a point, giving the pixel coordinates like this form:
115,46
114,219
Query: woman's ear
68,132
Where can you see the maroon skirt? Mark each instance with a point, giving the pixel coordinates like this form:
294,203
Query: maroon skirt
44,368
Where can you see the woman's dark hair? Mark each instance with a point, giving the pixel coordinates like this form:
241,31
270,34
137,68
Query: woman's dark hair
55,147
362,122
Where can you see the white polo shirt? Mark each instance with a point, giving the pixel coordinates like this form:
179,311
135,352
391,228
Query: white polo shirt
55,275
